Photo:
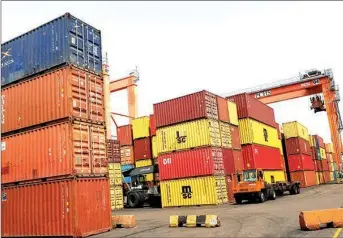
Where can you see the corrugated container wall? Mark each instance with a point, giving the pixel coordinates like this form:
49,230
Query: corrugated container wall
272,176
295,129
235,137
261,157
115,174
140,127
233,161
223,112
300,162
113,151
325,165
329,148
225,135
60,41
127,155
319,141
233,116
61,149
142,148
298,145
154,147
77,208
64,92
191,163
116,195
194,191
188,135
152,125
322,153
190,107
306,178
250,107
124,135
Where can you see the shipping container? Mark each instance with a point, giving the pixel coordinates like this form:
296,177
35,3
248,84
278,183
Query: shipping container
59,150
116,197
306,178
326,176
300,162
233,161
335,166
316,153
63,93
127,167
254,132
331,168
127,155
277,126
311,141
250,107
194,106
115,174
191,163
332,177
325,165
297,145
280,147
235,137
142,148
320,177
319,141
127,180
194,191
233,116
231,182
141,127
322,153
154,147
124,135
295,129
272,176
73,207
223,112
64,40
329,157
152,125
329,148
261,157
142,163
225,135
188,135
113,151
318,166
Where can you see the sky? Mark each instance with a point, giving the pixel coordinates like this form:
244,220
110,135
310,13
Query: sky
183,47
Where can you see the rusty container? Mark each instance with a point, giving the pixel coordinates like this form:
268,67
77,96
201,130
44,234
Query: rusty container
142,149
127,155
198,105
235,137
223,109
71,207
57,150
124,135
113,151
61,93
298,145
250,107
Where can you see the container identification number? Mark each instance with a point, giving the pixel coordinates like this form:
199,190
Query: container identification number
167,161
186,192
180,139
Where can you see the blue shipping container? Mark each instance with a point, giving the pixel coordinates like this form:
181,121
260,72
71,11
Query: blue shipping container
126,167
127,179
65,40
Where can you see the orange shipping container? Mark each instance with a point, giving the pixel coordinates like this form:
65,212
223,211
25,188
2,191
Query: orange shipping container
306,178
64,92
127,155
73,207
63,149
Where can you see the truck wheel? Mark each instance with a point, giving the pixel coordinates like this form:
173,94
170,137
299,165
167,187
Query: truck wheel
272,195
238,200
297,189
261,197
134,199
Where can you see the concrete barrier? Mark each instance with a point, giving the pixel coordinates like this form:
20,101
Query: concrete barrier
194,221
124,221
315,220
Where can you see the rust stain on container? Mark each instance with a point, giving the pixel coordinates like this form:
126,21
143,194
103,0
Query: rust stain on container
65,92
77,208
66,148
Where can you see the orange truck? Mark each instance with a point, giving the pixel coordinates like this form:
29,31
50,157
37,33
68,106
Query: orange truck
252,187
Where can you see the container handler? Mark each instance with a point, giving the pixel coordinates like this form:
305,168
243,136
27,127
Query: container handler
251,186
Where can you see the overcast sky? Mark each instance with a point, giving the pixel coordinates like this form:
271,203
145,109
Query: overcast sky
183,47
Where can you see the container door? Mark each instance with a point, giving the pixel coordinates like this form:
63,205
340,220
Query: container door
98,146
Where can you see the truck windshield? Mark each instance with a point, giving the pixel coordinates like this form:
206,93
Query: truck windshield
249,176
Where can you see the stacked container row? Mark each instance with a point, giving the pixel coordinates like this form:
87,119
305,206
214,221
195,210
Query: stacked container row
331,164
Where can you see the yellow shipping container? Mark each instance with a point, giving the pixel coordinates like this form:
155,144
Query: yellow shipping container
225,135
320,177
154,147
140,127
280,147
332,178
311,140
254,132
295,129
272,176
194,191
142,163
322,153
330,148
188,135
115,174
233,116
317,178
116,197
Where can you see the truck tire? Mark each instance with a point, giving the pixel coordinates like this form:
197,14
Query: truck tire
238,200
261,197
134,199
297,190
272,194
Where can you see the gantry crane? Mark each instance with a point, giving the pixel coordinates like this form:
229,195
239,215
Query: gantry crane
311,83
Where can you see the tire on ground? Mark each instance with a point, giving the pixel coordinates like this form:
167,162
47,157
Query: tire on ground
134,199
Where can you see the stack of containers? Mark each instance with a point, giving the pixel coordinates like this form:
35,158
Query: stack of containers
299,154
115,174
142,144
124,135
260,137
317,160
53,134
154,144
190,157
331,163
321,161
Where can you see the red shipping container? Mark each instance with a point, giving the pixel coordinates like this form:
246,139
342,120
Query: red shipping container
306,178
235,137
325,165
233,161
320,141
66,92
231,183
223,109
261,157
250,107
190,107
329,157
298,145
191,163
58,150
318,166
73,207
326,176
300,162
142,148
113,151
124,135
152,125
277,126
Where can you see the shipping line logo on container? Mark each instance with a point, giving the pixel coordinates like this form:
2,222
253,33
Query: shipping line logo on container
180,139
186,192
5,60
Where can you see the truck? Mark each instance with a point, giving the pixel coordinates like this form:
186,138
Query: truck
252,186
139,192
